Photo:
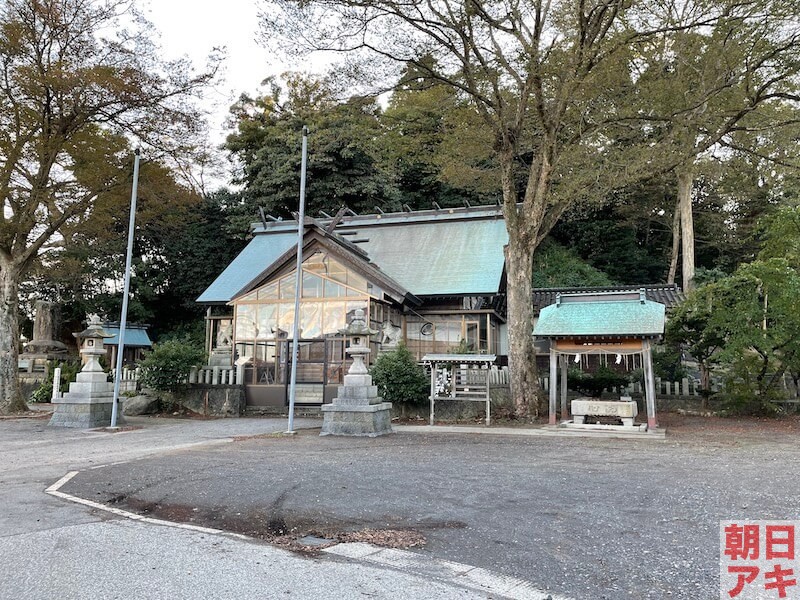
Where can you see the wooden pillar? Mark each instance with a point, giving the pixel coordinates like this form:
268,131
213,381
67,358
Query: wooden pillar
649,384
553,386
433,388
564,409
488,399
209,331
488,334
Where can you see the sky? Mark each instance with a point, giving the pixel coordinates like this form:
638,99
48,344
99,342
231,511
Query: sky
194,27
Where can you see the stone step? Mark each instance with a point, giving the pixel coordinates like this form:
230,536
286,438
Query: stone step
282,411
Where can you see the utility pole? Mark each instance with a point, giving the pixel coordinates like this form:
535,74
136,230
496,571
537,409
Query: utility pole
298,280
126,291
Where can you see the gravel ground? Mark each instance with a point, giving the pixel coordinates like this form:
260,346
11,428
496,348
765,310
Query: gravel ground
588,518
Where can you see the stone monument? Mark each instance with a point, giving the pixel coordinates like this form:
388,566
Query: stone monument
46,326
88,402
44,346
357,410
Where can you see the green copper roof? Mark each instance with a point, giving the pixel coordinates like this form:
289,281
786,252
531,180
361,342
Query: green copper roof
439,258
260,253
135,337
587,315
436,253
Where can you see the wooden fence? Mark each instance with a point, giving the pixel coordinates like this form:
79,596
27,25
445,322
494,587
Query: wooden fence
499,376
204,375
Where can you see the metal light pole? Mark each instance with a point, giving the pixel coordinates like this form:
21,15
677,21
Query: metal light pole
298,279
124,317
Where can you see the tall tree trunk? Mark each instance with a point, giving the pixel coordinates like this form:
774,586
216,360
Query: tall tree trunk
11,400
705,384
521,351
523,223
685,180
676,243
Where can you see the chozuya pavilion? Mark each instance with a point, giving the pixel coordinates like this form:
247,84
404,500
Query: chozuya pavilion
617,323
433,278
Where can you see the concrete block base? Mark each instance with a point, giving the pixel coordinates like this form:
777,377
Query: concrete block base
88,403
369,420
83,415
628,427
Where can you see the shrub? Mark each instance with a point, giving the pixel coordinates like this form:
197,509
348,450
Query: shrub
69,369
399,378
43,393
744,391
594,384
166,367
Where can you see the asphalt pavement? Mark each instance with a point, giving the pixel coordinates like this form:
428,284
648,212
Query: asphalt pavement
54,548
577,517
500,515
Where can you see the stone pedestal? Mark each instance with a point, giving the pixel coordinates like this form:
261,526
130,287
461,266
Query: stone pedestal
87,404
357,410
221,357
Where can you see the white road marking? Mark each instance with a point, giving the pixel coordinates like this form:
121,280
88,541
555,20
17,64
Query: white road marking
462,575
474,578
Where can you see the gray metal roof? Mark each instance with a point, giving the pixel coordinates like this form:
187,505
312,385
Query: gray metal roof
348,252
437,253
260,253
601,315
668,294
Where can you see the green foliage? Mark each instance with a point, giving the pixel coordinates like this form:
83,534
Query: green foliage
43,393
593,384
417,129
781,235
626,248
343,165
557,266
69,369
81,81
183,259
756,311
667,363
689,327
399,378
166,367
744,394
748,325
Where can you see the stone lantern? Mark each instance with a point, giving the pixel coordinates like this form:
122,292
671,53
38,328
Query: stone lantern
357,410
91,344
89,401
359,332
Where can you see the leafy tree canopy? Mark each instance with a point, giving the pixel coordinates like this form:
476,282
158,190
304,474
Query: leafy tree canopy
343,158
78,80
556,266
